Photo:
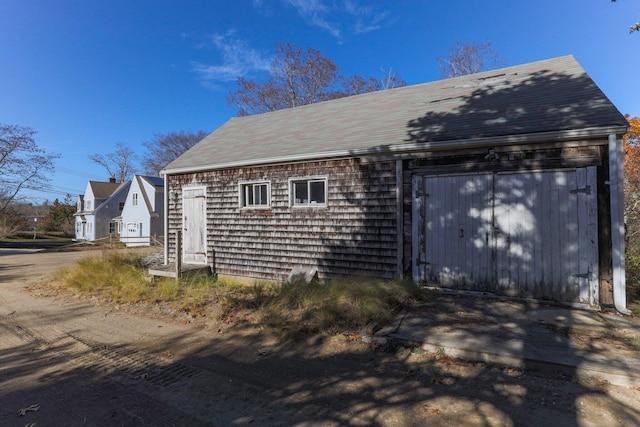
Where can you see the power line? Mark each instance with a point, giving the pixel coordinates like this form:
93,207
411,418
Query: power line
77,172
52,189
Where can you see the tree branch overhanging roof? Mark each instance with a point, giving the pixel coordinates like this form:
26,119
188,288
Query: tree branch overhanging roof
552,98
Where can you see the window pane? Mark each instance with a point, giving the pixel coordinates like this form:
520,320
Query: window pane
316,189
248,191
261,192
255,194
300,192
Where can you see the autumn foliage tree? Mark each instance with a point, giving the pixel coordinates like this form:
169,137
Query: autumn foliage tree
632,203
301,77
631,142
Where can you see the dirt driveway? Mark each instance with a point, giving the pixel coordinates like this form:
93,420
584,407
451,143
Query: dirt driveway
66,361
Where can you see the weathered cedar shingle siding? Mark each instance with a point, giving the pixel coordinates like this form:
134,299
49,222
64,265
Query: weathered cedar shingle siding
539,127
354,233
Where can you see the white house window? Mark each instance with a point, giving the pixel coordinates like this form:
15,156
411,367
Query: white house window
132,228
88,203
134,199
308,192
255,194
140,229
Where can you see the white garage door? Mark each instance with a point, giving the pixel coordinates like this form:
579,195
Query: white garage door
528,234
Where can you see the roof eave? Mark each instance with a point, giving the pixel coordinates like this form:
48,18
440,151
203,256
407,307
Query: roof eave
496,141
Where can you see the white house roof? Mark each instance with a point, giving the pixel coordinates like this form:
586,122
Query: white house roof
552,96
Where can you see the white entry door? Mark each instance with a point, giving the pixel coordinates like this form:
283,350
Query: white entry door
194,225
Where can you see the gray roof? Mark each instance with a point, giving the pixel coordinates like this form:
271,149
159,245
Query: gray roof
104,190
156,181
555,95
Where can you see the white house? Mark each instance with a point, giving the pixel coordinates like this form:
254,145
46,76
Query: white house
100,202
142,215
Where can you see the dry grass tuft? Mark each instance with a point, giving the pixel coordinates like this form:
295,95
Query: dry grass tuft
343,304
294,309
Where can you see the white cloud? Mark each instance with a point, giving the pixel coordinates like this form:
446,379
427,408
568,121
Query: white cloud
238,60
367,19
338,18
316,12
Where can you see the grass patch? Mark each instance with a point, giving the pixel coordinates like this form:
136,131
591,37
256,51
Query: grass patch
294,309
343,304
116,276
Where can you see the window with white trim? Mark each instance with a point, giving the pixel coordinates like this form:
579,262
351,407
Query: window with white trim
134,199
308,191
255,194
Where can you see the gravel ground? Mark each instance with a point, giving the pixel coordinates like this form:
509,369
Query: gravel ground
72,361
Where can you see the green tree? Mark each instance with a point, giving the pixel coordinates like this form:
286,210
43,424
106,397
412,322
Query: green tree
60,217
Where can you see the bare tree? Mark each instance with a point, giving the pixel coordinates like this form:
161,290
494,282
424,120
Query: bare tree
120,165
162,149
300,77
469,58
22,163
391,80
356,84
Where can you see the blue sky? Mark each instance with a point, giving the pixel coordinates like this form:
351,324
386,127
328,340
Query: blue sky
87,74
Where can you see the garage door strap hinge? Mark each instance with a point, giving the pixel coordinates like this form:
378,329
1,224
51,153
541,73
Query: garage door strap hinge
582,275
585,190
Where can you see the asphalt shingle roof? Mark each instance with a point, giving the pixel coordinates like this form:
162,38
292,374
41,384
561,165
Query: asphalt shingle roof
544,96
104,190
